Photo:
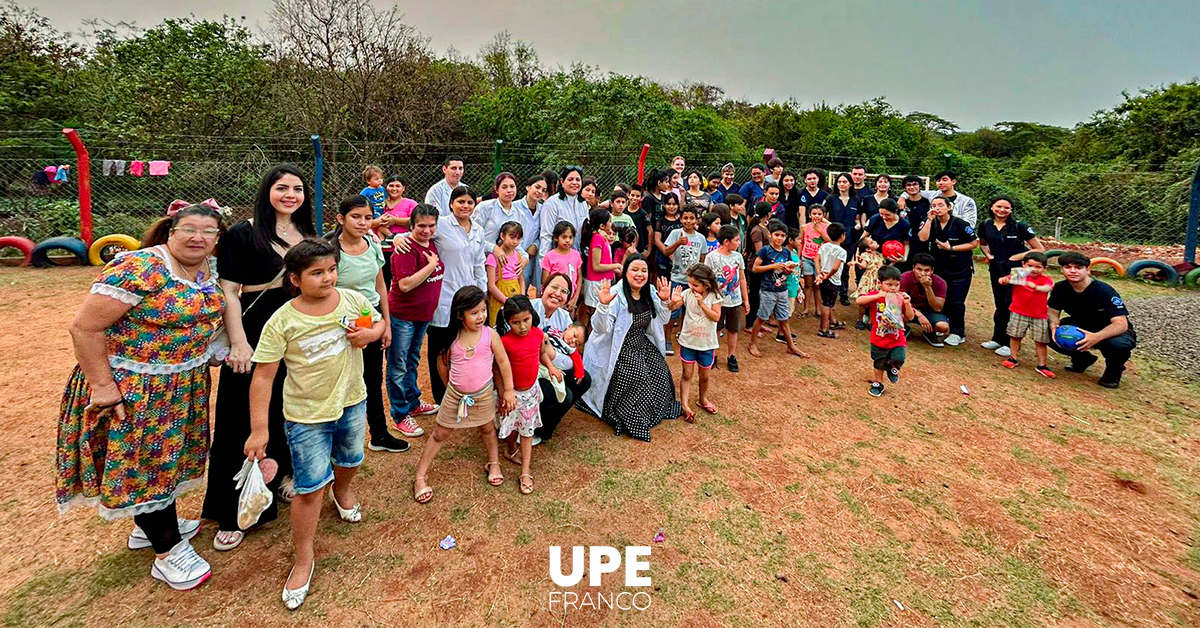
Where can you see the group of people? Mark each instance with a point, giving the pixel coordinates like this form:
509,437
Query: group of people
537,297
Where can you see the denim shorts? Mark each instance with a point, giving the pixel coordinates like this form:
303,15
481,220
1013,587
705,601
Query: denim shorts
704,358
808,266
773,304
317,447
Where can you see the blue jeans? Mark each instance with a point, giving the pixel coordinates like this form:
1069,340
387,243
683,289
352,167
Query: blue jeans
317,447
404,356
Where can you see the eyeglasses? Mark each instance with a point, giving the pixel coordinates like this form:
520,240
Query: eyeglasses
188,232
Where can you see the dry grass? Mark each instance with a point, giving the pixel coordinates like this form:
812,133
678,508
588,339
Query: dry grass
804,502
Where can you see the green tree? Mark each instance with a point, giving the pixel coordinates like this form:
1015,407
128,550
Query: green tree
182,77
37,64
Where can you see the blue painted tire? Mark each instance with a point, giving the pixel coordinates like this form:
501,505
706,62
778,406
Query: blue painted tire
41,253
1137,267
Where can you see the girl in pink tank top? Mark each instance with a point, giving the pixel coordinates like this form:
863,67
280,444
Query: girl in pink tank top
470,399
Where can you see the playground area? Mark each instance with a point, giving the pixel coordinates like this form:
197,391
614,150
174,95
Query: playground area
804,502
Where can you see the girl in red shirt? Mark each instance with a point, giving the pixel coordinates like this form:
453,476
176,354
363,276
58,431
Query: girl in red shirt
528,350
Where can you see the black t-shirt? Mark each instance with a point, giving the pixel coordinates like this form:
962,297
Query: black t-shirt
951,264
664,229
868,205
880,232
808,199
1005,244
792,205
1092,309
916,213
651,206
865,191
243,258
640,223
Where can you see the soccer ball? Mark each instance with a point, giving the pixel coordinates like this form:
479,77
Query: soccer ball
1068,336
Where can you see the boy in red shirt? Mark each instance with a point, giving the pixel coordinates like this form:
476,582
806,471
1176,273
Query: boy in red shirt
890,311
1030,316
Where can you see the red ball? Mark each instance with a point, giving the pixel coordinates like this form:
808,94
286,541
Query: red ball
893,249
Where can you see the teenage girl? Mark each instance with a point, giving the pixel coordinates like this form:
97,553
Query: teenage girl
470,399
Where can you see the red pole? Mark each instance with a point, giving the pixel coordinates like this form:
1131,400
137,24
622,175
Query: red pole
642,163
83,169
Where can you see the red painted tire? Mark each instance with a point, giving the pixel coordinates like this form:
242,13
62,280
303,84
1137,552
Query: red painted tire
24,245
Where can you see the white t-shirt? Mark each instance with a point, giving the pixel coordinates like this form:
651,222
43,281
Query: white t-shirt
687,254
727,269
699,331
827,256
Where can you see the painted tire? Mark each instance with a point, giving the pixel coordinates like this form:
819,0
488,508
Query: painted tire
1192,278
98,256
1053,253
24,245
1152,264
41,253
1106,261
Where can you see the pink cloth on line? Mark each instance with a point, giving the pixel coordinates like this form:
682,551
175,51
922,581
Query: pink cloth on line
137,168
160,168
51,171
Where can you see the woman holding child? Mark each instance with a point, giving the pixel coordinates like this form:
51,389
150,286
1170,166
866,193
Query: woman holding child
567,340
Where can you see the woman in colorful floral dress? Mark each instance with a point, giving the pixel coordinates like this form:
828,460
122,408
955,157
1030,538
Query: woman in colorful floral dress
133,430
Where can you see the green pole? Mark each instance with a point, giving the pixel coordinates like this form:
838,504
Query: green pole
496,158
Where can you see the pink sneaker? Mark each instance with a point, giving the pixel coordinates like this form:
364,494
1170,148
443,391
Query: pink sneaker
424,409
409,427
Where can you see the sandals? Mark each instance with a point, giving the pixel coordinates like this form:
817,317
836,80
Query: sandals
494,481
287,490
222,546
709,407
526,487
689,416
827,334
424,495
514,457
837,325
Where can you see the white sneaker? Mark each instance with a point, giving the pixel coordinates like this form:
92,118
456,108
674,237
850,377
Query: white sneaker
1004,352
990,345
182,569
187,529
954,340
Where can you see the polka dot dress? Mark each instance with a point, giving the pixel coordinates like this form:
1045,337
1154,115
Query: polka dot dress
641,393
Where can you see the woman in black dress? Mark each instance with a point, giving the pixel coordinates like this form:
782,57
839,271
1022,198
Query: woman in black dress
250,266
1004,240
632,389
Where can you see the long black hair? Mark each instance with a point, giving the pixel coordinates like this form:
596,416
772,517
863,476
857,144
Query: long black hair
348,204
646,289
264,212
591,226
464,300
1010,224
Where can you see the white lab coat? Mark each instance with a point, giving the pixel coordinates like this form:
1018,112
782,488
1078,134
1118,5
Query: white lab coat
610,324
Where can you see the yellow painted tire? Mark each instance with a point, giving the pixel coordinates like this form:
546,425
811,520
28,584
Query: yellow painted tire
98,256
1104,261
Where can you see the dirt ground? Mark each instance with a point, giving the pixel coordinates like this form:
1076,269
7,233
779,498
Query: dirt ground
805,502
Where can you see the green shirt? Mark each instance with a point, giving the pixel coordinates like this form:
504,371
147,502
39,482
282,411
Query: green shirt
324,373
622,221
358,272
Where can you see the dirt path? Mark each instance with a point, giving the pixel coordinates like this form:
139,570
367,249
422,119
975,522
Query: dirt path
804,502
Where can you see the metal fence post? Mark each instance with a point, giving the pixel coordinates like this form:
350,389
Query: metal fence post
318,185
1189,246
496,168
83,168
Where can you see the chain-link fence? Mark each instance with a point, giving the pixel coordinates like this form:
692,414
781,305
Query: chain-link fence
1070,201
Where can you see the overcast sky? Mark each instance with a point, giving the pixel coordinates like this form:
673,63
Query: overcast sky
974,62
